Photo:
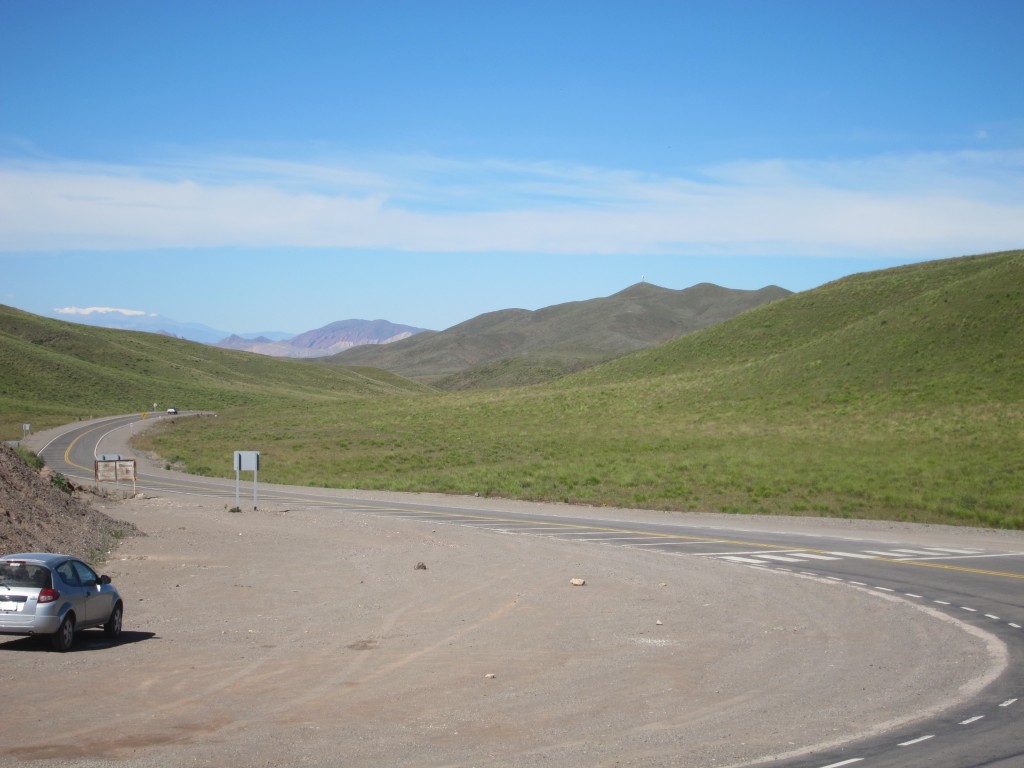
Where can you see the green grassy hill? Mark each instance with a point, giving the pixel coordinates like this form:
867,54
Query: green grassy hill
895,395
53,371
942,331
513,347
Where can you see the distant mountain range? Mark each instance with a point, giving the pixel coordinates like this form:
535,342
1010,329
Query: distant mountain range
516,346
329,340
507,347
132,321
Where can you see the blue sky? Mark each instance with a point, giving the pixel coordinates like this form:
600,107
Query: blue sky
278,166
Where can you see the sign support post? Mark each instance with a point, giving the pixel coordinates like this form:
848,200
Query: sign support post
247,461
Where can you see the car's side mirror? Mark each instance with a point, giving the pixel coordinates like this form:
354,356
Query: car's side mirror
104,579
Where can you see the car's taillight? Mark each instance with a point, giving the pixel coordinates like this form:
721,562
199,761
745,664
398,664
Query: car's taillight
48,595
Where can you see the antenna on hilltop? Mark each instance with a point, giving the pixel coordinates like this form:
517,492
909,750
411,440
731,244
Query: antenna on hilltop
642,278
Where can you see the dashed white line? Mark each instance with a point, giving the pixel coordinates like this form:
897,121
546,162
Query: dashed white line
970,720
911,594
1008,702
940,602
965,608
918,740
884,589
1015,626
990,616
851,761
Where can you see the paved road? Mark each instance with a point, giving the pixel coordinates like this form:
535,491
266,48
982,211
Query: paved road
978,583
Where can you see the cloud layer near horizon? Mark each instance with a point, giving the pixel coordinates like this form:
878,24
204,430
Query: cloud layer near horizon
87,311
951,203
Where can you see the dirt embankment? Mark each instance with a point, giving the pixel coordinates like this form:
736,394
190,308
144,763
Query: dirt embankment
38,516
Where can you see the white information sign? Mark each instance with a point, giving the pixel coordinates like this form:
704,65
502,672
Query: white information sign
247,461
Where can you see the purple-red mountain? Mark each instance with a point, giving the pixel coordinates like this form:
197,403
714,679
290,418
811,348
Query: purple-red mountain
329,340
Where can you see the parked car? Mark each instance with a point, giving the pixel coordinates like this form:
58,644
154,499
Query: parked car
172,411
56,595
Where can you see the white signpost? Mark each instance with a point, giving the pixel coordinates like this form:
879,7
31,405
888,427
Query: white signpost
247,461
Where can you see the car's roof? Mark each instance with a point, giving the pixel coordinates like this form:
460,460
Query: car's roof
44,558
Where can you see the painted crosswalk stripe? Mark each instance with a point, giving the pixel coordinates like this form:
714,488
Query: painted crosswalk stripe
887,553
913,551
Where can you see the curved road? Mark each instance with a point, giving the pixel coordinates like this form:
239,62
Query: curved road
979,580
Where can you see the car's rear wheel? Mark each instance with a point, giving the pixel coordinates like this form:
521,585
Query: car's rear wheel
62,639
112,628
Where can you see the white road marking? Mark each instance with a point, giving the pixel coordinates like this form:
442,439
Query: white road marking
853,554
970,720
880,553
1015,626
633,538
1008,702
780,558
911,594
990,616
815,557
940,602
918,740
914,551
738,559
965,608
884,589
851,761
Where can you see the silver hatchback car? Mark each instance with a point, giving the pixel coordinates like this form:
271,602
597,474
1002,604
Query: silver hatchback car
56,595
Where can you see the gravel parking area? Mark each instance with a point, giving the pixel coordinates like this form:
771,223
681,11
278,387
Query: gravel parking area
300,636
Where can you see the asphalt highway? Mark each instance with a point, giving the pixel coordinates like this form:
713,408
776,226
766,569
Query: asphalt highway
979,584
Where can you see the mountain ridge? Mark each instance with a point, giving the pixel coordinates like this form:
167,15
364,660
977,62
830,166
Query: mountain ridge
324,341
534,345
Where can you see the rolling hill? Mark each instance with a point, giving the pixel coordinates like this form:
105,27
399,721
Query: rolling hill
517,346
895,395
52,371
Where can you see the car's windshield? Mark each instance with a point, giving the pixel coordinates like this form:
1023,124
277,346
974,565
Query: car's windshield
17,574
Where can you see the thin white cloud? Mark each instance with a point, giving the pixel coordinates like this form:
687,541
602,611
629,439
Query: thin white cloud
927,203
86,311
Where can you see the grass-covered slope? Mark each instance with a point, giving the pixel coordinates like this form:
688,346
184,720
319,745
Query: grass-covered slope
52,371
943,331
894,395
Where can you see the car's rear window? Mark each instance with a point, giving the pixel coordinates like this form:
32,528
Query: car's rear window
18,574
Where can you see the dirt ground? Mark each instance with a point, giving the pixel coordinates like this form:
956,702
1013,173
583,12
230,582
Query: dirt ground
307,637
